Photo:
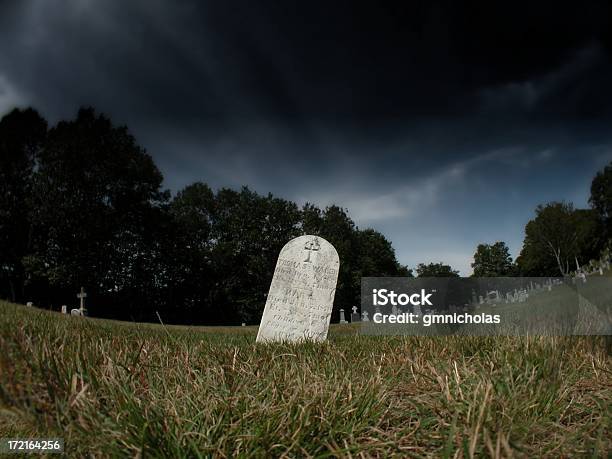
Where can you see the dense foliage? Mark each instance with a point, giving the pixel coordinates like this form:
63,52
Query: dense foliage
82,204
435,270
560,239
493,260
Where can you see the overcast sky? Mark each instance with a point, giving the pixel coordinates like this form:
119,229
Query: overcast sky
439,124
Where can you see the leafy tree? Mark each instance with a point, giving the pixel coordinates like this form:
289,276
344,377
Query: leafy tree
493,260
362,252
376,256
535,260
189,259
22,133
590,237
435,270
312,219
557,237
96,198
192,212
601,197
247,234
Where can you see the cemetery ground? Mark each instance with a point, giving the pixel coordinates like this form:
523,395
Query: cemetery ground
119,389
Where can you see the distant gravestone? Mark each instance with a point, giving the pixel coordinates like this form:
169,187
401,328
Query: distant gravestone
355,315
64,309
75,312
81,296
301,296
29,304
364,316
342,317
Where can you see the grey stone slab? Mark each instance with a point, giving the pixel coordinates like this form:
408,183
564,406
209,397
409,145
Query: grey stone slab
301,295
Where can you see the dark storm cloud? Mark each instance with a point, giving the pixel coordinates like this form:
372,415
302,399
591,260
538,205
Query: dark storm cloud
441,124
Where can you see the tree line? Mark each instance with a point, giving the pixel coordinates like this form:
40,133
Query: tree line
82,204
559,240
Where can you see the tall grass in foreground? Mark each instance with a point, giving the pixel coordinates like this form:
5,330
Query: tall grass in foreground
115,389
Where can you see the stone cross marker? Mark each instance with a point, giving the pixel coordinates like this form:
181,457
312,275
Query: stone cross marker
82,295
301,296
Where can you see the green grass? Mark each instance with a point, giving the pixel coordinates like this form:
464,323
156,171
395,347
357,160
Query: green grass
112,389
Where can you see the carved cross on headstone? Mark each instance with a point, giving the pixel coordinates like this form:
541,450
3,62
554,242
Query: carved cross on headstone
311,246
82,295
354,309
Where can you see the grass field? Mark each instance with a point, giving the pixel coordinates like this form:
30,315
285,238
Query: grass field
113,389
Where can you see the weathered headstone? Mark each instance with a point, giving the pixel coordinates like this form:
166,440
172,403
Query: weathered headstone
29,304
64,309
342,317
355,315
75,312
364,316
301,296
